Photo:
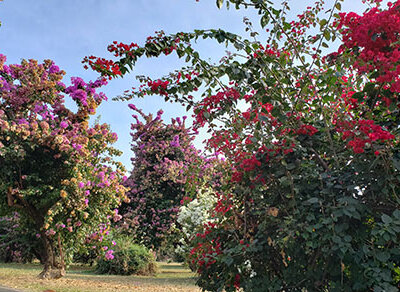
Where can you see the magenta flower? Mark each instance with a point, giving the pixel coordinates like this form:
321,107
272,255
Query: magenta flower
132,106
109,255
54,69
175,142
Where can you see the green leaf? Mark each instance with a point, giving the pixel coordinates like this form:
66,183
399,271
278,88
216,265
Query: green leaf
238,46
323,22
180,53
396,214
369,87
264,20
347,238
327,35
375,74
219,3
291,166
286,26
263,118
229,261
382,256
359,96
336,239
386,219
312,201
396,163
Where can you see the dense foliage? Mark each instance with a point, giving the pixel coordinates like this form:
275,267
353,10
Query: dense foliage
56,170
313,198
18,242
129,259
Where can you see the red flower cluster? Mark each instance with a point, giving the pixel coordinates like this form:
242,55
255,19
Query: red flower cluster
120,48
269,51
214,103
236,283
375,35
250,164
103,66
224,204
204,254
307,130
128,54
158,86
185,200
361,132
349,100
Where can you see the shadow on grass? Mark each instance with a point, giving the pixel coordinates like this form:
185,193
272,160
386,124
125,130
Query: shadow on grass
168,274
19,266
164,266
136,280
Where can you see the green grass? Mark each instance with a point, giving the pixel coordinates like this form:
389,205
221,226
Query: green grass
170,277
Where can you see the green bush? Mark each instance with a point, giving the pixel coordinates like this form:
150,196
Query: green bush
129,259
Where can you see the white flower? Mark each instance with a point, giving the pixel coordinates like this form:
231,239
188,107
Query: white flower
194,216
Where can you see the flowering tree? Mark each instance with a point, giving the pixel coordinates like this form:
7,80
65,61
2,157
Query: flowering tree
163,155
312,203
56,170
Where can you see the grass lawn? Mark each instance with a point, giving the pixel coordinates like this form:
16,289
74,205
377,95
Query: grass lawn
170,277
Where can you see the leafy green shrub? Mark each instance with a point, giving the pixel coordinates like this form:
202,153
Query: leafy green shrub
129,259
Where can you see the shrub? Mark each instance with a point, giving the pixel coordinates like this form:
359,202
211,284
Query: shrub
17,244
192,217
129,259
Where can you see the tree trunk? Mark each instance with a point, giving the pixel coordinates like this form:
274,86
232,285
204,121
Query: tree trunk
52,269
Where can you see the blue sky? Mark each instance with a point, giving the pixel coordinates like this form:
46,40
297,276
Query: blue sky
67,31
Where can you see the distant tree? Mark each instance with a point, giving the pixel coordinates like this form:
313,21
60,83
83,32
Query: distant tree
163,154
